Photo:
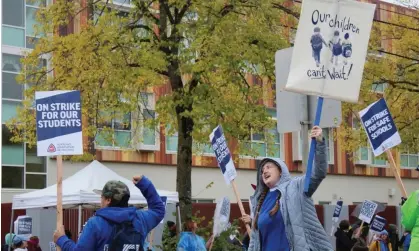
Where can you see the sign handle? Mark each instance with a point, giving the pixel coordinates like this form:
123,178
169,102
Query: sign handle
236,192
313,146
212,242
59,193
360,229
332,230
396,173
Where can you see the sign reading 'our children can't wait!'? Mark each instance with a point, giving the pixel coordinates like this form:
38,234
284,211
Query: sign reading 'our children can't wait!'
330,48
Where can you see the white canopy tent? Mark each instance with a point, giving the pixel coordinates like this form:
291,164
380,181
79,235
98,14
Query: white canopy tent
78,191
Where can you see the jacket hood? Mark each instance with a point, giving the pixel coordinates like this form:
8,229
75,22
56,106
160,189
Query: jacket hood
285,175
117,214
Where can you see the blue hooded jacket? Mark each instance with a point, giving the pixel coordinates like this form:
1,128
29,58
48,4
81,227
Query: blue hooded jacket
98,231
191,242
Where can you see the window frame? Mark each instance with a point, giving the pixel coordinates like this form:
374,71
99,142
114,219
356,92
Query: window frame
26,172
23,28
150,106
113,147
176,136
281,142
297,145
408,154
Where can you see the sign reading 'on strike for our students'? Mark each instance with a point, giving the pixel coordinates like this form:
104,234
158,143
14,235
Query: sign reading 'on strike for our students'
379,126
222,153
58,123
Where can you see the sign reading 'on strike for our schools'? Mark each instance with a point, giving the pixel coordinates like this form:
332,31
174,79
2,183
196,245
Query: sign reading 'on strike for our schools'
379,126
330,48
338,209
222,153
58,123
378,224
367,211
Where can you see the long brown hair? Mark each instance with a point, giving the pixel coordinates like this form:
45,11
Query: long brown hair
273,211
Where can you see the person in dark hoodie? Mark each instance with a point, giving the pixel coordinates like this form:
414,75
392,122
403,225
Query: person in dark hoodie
99,231
393,236
343,236
285,218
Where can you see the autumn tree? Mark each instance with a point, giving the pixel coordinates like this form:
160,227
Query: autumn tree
392,72
203,49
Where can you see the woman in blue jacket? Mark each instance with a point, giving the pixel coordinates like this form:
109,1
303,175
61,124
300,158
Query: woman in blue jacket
190,241
285,217
99,230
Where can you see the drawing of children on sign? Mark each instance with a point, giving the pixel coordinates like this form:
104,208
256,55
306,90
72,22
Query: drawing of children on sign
336,47
317,42
347,48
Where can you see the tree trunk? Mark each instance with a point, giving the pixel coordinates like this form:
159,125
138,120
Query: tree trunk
184,164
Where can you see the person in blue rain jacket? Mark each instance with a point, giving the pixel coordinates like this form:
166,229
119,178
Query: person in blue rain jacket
114,208
190,241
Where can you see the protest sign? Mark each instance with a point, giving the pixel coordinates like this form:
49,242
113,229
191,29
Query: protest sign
52,246
225,162
58,123
342,28
382,134
330,48
221,218
338,209
367,211
336,215
378,224
23,226
222,153
379,126
58,131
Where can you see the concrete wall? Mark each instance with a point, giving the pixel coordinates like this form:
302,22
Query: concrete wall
350,188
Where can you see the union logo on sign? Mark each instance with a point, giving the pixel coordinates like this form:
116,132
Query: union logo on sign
51,148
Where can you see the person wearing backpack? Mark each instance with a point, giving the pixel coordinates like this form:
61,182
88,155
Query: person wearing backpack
317,42
335,44
117,226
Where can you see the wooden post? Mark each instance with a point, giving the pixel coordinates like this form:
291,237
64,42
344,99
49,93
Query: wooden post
212,242
59,193
360,229
236,192
396,173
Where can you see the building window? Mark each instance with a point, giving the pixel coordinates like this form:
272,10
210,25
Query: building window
365,156
21,167
204,149
258,141
328,137
409,160
18,24
378,87
115,132
330,146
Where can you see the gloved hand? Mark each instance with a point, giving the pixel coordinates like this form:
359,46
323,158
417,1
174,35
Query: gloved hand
403,201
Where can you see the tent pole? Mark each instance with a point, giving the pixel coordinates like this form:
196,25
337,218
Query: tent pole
11,226
79,226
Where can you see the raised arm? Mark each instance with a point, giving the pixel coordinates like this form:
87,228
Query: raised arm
149,219
320,166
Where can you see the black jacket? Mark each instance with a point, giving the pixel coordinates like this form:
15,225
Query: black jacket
343,240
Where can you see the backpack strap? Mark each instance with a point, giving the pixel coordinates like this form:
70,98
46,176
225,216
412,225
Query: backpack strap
118,228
